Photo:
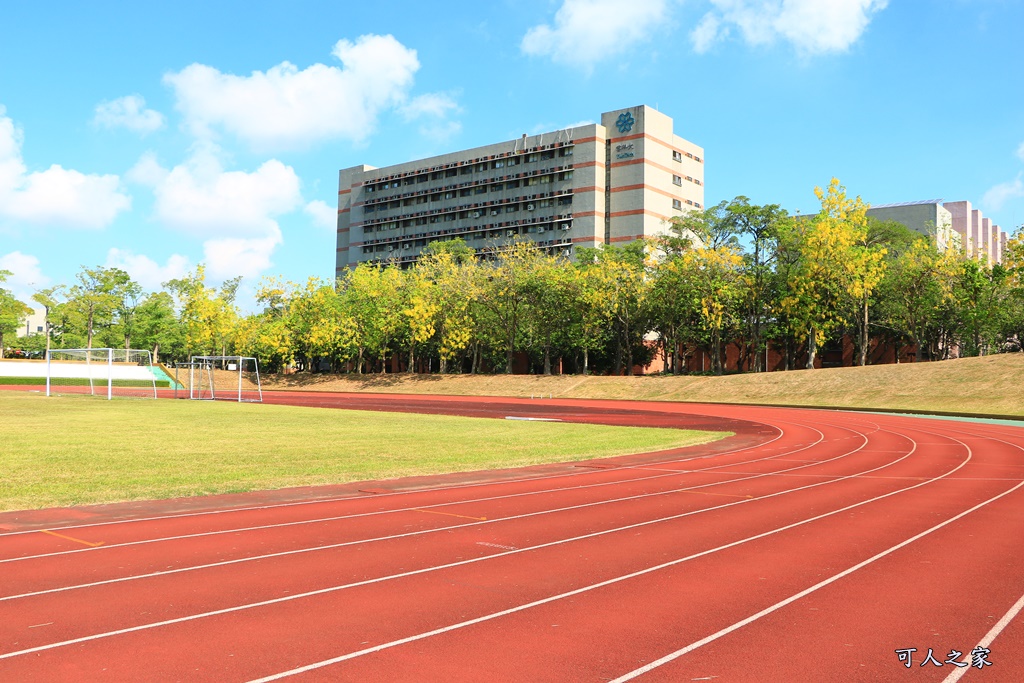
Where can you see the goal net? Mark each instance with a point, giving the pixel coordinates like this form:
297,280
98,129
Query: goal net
220,378
107,373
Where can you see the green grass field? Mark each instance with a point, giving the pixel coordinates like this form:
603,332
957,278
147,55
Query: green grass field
77,450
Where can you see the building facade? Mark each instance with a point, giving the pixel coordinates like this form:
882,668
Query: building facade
955,226
607,183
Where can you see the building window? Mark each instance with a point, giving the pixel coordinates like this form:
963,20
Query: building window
512,184
496,187
549,154
565,152
562,201
513,161
677,156
500,163
479,189
676,204
565,175
677,180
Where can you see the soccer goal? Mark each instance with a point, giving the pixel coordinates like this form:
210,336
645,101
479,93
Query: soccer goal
221,378
107,373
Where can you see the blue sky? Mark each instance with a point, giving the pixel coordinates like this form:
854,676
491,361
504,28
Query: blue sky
158,138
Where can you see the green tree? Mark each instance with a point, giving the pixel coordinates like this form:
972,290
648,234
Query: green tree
825,266
208,318
94,300
48,298
761,224
156,326
504,294
12,311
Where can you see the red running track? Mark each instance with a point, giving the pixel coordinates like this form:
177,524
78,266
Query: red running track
811,546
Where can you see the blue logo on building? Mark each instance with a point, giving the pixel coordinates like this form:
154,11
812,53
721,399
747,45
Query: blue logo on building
625,122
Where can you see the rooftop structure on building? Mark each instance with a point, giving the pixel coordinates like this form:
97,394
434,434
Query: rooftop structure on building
607,183
955,225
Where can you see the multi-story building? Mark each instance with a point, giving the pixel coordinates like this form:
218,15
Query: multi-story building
954,224
606,183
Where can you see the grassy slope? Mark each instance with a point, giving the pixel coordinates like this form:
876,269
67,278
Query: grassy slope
74,450
988,385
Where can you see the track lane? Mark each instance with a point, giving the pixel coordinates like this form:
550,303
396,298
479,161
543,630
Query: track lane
667,540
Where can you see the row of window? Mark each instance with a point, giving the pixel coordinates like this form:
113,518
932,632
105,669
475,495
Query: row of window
467,169
470,214
539,229
467,192
678,180
678,204
678,156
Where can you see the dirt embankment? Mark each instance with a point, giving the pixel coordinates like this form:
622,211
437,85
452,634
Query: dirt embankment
991,385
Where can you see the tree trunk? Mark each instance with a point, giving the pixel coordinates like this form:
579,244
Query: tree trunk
156,353
812,349
716,351
586,362
359,362
547,359
864,336
412,359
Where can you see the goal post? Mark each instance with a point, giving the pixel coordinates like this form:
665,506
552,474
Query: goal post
106,372
221,378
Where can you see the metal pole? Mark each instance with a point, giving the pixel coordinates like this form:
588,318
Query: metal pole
47,372
259,384
239,379
110,374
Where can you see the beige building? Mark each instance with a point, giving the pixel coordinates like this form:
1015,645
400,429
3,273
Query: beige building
606,183
955,225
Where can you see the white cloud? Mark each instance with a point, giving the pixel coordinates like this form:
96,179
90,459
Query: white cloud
128,112
231,257
26,275
1020,152
285,107
144,270
233,212
811,26
588,31
201,199
430,104
147,171
56,196
999,195
323,215
708,32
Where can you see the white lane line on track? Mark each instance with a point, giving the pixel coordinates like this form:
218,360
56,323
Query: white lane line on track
584,589
959,672
333,589
421,532
319,520
353,496
779,605
954,676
